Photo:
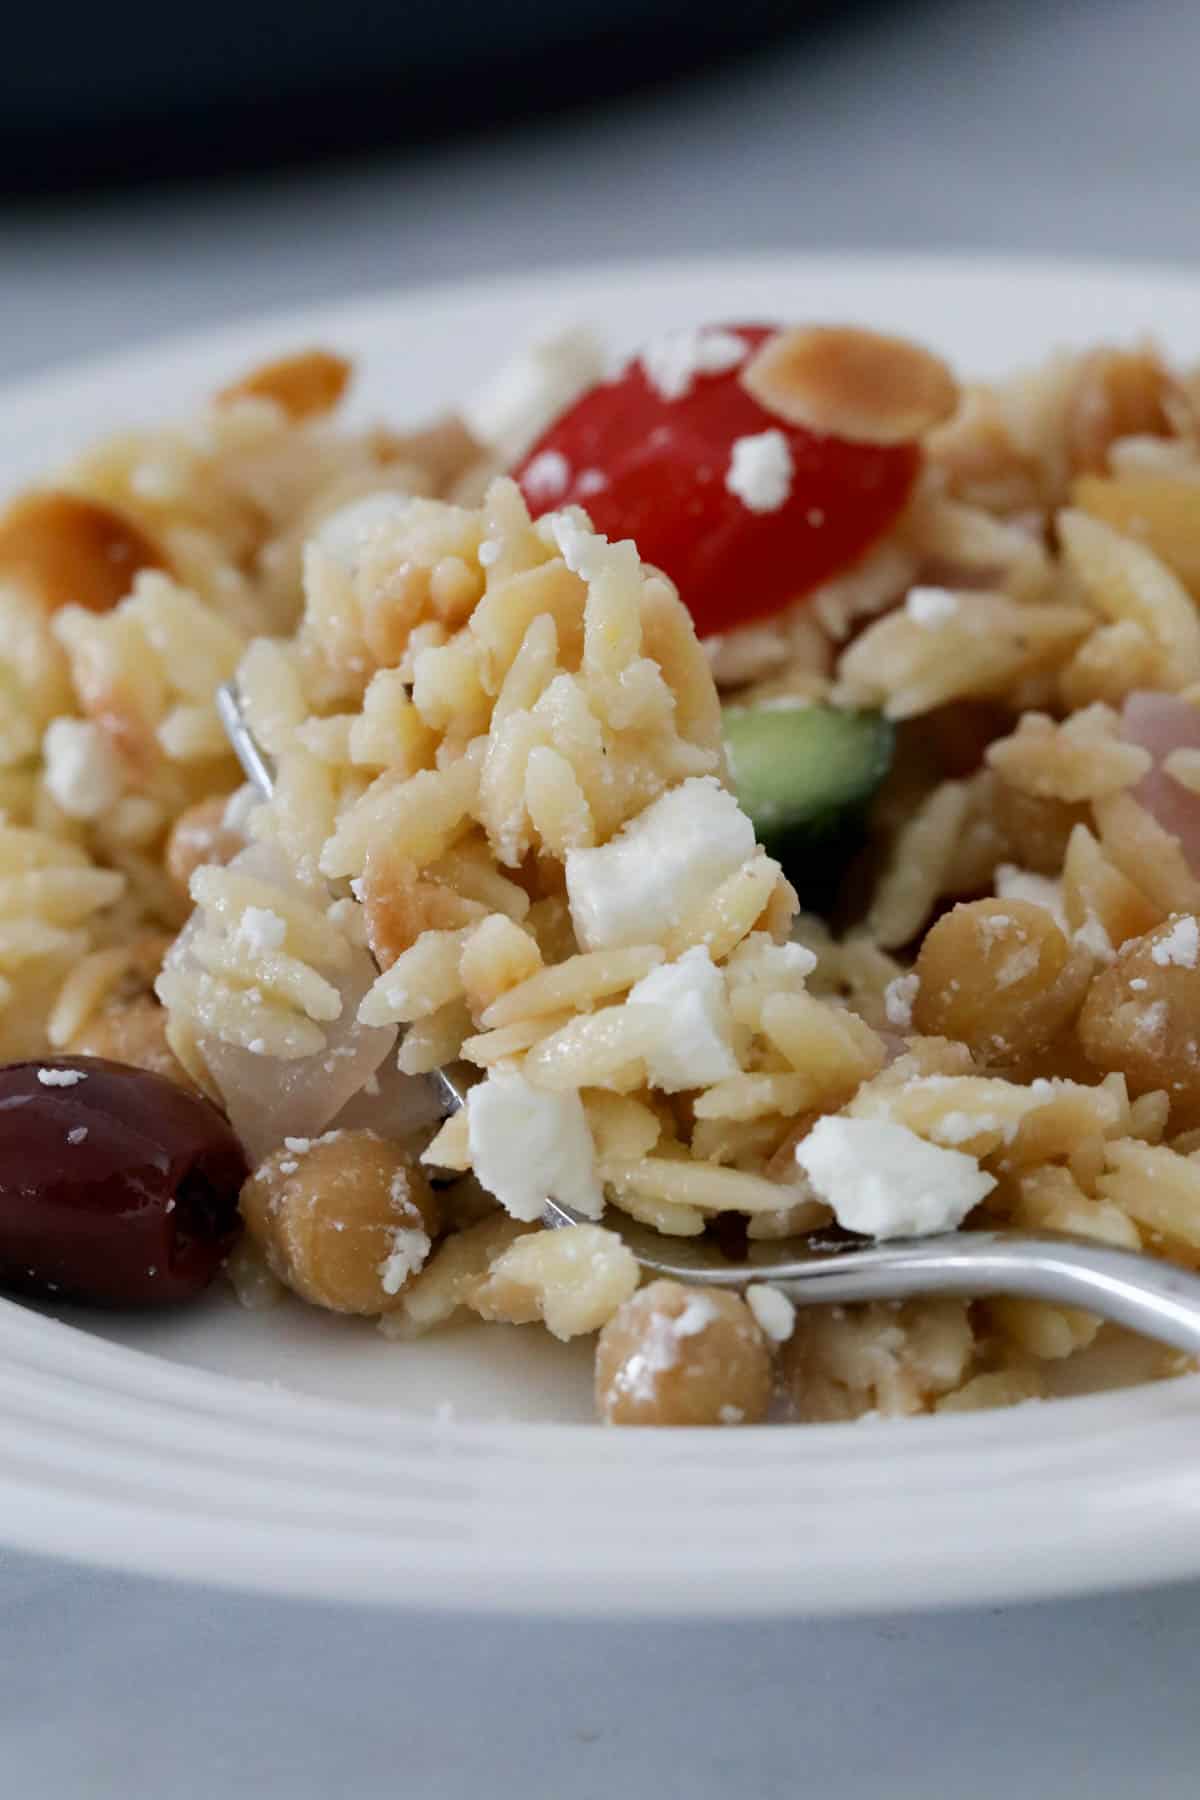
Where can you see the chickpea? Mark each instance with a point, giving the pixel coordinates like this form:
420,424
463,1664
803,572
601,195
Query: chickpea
133,1031
1036,827
343,1220
679,1356
198,836
1000,977
1141,1016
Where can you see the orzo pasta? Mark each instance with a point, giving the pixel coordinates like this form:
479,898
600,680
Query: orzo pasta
769,777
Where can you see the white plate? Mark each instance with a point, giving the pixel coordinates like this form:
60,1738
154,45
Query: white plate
295,1452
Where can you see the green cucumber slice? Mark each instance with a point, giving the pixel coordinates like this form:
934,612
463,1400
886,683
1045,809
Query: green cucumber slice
806,775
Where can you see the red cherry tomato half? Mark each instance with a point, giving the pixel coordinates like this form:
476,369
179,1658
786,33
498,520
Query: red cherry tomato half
654,470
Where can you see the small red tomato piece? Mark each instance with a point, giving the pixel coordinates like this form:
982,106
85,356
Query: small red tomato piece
116,1186
654,469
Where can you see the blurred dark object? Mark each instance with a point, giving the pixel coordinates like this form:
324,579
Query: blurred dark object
134,91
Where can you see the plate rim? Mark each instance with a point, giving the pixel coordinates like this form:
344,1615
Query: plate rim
1137,1525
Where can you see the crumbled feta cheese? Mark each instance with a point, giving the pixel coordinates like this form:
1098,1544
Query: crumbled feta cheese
731,1415
992,928
930,605
697,1042
1138,984
297,1145
257,1046
898,998
581,548
633,889
1092,936
760,471
60,1077
261,929
697,1315
883,1180
528,1145
409,1249
774,1311
82,770
546,476
513,408
1180,948
77,1135
788,960
346,532
1012,883
672,362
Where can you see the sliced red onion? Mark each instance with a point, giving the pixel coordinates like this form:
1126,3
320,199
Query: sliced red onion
396,1105
1161,723
268,1099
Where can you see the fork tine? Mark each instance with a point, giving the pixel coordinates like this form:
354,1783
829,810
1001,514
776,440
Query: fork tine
256,764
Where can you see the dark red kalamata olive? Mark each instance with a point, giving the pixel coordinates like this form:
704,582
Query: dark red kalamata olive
116,1186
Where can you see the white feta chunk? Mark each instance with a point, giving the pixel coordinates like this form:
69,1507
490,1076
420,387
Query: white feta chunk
82,770
528,1145
774,1311
529,391
880,1178
760,471
410,1247
899,997
673,362
788,964
546,477
697,1042
63,1078
697,1315
1180,948
582,549
633,889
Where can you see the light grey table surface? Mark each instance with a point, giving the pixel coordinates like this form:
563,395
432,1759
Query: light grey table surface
1064,126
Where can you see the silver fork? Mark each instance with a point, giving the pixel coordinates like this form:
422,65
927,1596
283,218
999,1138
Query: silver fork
1149,1296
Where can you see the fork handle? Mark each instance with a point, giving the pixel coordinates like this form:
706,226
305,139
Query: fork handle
1154,1298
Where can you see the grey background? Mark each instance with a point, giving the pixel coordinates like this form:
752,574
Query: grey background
998,124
